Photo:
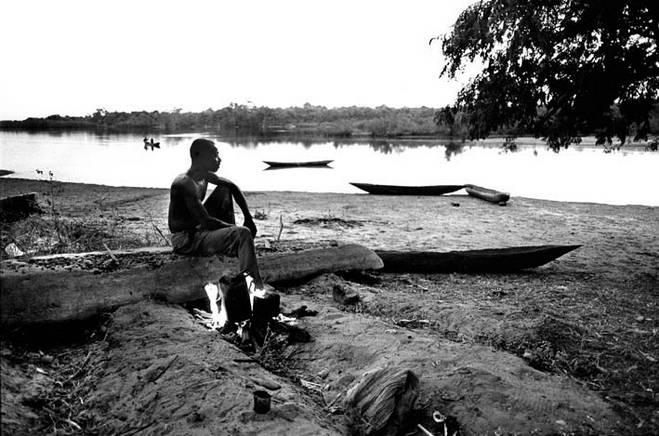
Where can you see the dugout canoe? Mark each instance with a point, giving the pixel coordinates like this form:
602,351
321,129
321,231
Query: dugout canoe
407,190
486,194
491,260
313,163
68,287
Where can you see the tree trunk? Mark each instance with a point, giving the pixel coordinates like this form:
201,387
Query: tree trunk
35,293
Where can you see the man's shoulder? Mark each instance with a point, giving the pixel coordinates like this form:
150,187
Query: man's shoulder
183,181
217,180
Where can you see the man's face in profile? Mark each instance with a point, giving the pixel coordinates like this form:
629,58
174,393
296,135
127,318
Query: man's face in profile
212,159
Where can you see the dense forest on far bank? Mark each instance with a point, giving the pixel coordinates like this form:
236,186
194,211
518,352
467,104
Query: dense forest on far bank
382,121
342,122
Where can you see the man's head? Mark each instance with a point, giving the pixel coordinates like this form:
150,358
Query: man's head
204,154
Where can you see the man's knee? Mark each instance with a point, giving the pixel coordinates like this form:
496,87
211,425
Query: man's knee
243,233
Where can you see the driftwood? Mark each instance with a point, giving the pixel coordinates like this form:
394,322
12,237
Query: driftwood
34,294
16,207
472,261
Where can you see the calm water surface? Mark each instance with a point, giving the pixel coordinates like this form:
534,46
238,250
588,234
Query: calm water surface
580,173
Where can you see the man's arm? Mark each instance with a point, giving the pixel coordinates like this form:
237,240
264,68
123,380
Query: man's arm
197,209
238,196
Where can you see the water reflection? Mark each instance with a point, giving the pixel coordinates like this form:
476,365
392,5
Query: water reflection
453,149
257,141
384,146
531,170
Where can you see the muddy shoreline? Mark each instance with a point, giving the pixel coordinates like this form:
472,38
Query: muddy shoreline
588,321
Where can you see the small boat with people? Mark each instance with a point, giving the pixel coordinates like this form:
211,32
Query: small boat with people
407,190
149,143
487,194
313,163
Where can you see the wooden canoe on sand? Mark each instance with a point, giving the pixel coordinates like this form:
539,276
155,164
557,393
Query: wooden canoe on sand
493,260
315,163
61,288
407,190
487,194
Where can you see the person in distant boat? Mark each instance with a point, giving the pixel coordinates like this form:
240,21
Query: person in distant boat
146,143
209,228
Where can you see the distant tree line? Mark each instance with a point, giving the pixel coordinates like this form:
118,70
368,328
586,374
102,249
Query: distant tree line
240,119
307,120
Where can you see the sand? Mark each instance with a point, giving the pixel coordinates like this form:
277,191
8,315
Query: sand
567,348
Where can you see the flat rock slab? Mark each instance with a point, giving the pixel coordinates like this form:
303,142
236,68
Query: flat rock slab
489,392
165,374
59,288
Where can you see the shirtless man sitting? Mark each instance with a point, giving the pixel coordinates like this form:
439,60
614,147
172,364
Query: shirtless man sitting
209,228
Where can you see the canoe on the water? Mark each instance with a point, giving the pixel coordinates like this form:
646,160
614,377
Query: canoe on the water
314,163
487,194
491,260
407,190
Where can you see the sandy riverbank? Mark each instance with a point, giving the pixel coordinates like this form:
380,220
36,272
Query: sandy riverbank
619,241
589,319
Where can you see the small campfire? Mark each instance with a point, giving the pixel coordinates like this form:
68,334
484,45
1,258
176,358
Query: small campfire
237,306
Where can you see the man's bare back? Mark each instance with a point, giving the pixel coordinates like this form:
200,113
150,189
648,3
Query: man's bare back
180,217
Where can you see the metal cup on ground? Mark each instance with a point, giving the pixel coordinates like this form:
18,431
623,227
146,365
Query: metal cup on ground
261,402
267,306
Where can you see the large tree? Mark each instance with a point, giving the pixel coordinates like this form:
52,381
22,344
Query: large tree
557,68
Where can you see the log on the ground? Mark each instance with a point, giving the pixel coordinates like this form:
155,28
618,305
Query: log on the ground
31,293
472,261
16,207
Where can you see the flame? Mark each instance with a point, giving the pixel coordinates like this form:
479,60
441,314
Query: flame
218,314
253,292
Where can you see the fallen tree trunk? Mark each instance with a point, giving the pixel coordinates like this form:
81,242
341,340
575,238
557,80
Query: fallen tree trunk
472,261
35,293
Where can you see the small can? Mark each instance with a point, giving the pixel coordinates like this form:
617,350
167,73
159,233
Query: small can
261,402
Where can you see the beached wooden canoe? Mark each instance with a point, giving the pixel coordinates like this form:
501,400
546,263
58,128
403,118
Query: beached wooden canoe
66,287
472,261
407,190
487,194
314,163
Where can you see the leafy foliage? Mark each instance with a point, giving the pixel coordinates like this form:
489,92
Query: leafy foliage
557,68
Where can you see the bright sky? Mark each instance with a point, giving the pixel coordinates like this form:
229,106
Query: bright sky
70,57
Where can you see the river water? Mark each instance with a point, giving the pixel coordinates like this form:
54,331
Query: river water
580,173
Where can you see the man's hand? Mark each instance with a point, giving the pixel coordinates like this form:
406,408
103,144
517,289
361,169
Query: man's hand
249,223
